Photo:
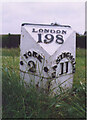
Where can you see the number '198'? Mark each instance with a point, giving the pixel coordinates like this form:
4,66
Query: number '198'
48,38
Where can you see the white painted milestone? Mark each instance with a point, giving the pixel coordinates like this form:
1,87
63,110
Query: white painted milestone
47,57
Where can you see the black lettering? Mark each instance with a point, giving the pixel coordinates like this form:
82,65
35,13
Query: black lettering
33,30
66,67
59,39
68,54
32,66
73,70
46,69
74,63
54,67
52,31
39,58
63,32
34,54
71,57
66,64
63,55
58,31
58,60
29,53
46,30
39,38
49,38
25,55
21,63
41,30
62,66
53,75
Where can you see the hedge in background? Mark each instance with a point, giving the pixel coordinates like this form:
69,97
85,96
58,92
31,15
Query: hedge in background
13,41
81,41
10,41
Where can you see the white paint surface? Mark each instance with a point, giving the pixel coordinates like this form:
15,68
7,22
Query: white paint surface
49,52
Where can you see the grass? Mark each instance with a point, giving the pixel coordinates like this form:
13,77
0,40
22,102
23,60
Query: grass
10,52
19,102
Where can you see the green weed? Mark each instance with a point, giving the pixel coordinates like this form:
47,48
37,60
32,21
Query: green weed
10,52
19,102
